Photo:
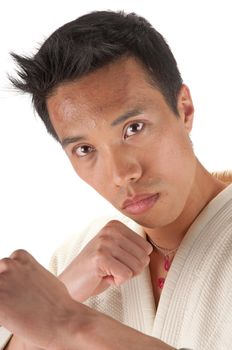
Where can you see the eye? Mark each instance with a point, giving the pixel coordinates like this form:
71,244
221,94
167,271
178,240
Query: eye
83,150
133,128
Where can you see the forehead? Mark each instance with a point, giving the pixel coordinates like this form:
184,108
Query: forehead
114,86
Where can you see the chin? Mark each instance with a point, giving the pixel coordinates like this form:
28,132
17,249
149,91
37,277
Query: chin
153,220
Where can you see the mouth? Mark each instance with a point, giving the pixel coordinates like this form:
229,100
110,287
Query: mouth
140,204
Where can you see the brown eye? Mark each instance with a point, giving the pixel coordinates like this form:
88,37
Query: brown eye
133,128
82,151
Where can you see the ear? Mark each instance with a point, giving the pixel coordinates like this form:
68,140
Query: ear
185,107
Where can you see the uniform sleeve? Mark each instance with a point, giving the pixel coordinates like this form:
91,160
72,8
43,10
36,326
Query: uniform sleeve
5,336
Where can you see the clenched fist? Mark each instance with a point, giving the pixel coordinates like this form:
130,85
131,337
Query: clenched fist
37,307
33,302
113,256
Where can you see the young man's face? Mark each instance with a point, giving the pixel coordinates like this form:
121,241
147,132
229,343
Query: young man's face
123,140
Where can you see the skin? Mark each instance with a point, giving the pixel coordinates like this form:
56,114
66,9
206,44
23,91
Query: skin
159,158
29,307
150,152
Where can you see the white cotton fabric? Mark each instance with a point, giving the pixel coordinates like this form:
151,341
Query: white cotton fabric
195,307
5,336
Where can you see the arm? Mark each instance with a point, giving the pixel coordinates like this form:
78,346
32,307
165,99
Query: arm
114,255
29,308
103,332
17,343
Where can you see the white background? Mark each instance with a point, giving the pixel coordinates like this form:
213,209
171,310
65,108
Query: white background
42,201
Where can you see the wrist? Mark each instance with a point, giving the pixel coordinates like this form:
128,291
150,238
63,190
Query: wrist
71,287
74,327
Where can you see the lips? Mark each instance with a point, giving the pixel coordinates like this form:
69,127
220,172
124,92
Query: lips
140,204
136,199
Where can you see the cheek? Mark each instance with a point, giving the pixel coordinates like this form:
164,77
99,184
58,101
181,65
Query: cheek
94,178
174,159
175,167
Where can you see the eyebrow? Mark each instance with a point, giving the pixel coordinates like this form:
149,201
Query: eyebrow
67,140
131,113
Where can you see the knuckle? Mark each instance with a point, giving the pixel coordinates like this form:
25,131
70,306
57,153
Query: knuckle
112,224
104,238
125,276
5,264
148,248
146,260
129,274
99,255
99,251
19,254
100,264
112,230
140,264
104,242
137,264
107,231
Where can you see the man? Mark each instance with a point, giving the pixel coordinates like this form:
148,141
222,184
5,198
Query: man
108,89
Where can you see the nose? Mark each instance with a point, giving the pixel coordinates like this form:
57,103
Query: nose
123,167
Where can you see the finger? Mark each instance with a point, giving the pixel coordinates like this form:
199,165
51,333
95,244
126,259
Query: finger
21,255
110,266
133,263
115,227
25,258
134,249
111,240
140,241
5,264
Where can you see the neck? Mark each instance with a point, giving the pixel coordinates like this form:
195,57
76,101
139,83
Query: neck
204,189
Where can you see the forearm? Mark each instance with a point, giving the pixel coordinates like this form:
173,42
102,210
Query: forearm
93,336
81,328
36,306
17,343
99,332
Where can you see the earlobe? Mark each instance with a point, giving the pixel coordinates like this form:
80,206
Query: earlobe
185,107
